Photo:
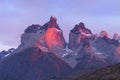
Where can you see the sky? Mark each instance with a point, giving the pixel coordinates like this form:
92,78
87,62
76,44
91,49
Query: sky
17,15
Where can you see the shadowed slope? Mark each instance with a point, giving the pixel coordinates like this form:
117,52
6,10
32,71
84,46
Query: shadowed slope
108,73
32,64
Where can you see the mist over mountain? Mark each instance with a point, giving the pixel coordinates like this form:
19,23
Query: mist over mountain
44,53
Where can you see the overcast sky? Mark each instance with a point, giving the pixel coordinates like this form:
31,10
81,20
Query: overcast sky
16,15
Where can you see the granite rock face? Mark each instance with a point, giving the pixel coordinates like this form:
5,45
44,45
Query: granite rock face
77,34
48,37
54,37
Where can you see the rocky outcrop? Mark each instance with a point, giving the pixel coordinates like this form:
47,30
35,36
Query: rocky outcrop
54,37
104,34
34,28
30,37
106,46
76,35
92,51
116,36
49,37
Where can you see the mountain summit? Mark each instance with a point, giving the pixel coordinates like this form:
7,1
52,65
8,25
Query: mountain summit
53,22
48,37
80,29
54,36
76,35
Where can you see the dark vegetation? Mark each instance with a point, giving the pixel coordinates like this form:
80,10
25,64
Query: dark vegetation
108,73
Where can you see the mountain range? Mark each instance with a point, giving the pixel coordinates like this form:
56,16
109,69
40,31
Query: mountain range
44,54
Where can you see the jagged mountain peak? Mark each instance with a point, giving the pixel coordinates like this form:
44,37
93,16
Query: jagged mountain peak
49,37
53,19
53,23
81,25
104,34
33,28
80,28
77,34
